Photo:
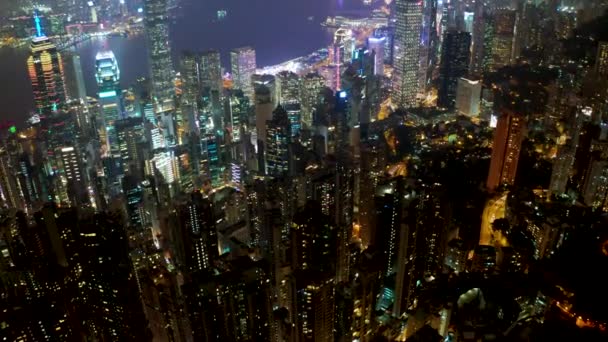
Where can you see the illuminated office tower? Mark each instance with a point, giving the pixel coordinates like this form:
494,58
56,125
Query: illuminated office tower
187,114
210,71
508,137
489,31
341,53
134,197
243,63
294,113
477,41
407,52
10,194
190,72
388,33
428,44
454,65
601,61
343,46
503,50
377,44
108,81
468,97
236,110
289,87
156,23
129,133
212,158
278,137
81,91
312,84
45,68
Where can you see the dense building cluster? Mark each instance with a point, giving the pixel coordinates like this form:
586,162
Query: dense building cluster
440,178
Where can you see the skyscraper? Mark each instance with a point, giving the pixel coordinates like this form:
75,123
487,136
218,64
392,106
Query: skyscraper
315,307
129,133
601,61
503,42
428,44
468,97
81,92
508,137
10,194
243,63
198,233
288,84
156,24
377,44
312,84
108,81
278,137
188,111
210,70
455,54
388,33
45,69
407,52
73,175
190,72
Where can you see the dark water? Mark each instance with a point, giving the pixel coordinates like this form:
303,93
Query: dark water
277,29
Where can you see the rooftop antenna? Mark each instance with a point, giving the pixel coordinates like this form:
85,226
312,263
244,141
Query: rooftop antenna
39,32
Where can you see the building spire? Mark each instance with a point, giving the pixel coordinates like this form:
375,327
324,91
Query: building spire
39,32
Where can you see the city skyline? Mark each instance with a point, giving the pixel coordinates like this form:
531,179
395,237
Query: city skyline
414,170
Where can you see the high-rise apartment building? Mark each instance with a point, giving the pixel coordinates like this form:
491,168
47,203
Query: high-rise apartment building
601,61
198,233
156,23
508,137
73,175
455,54
243,63
407,52
315,310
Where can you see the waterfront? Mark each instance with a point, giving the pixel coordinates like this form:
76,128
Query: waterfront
279,31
